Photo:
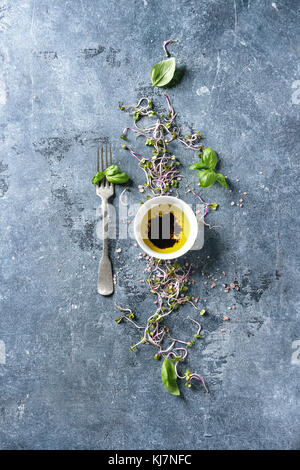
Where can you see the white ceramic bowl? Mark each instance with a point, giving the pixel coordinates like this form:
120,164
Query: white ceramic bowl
166,200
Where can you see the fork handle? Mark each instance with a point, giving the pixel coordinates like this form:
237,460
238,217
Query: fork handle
105,284
104,226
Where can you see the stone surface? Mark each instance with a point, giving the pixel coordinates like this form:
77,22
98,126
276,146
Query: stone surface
68,378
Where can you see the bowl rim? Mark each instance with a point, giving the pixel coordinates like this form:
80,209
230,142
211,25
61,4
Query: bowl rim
155,200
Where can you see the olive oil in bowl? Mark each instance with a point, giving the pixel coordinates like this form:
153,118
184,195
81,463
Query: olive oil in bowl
165,228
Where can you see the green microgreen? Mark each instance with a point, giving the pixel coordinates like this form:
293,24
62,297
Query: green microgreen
166,281
162,169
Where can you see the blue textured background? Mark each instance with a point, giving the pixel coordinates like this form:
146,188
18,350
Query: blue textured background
68,378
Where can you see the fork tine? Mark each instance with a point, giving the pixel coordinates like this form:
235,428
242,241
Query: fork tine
106,155
106,163
110,154
98,158
102,167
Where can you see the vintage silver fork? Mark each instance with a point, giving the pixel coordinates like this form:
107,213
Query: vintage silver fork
105,190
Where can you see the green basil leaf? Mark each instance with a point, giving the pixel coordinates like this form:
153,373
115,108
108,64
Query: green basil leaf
209,158
162,72
119,178
221,179
112,170
198,166
169,378
98,177
207,178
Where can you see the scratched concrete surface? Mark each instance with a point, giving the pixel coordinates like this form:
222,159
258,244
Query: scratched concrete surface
67,377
